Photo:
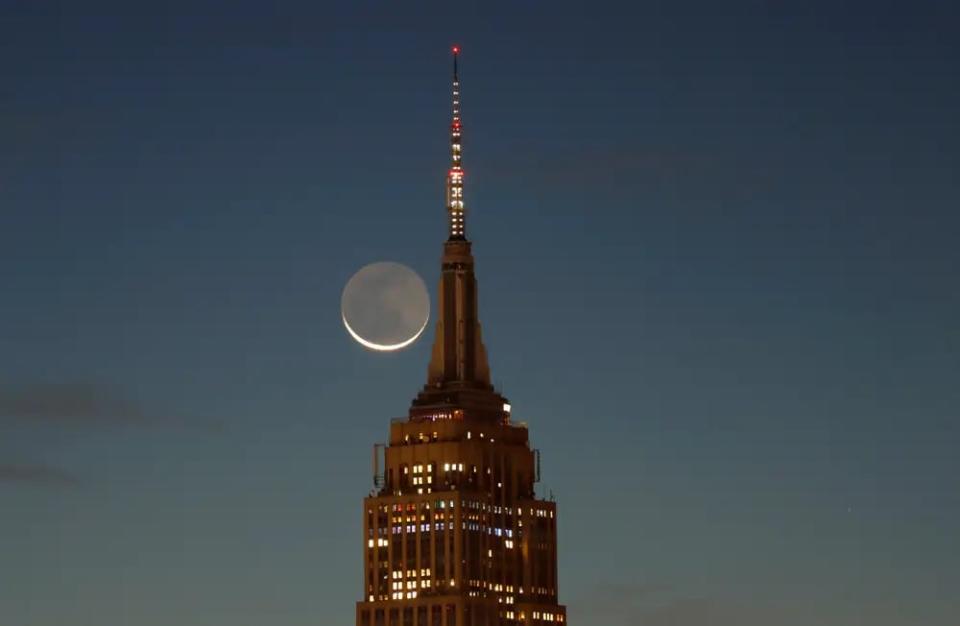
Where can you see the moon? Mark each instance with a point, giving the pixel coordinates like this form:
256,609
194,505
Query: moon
385,306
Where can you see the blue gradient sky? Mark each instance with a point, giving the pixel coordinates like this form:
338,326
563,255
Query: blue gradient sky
718,264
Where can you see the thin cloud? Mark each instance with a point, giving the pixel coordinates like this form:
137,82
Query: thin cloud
37,476
619,167
621,599
601,165
67,403
660,604
720,612
71,409
86,404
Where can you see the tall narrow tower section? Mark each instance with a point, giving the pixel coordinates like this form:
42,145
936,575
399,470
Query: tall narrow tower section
459,358
454,534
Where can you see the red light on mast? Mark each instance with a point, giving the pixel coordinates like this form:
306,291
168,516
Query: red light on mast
456,49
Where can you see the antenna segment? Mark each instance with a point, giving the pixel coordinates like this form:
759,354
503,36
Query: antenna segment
455,208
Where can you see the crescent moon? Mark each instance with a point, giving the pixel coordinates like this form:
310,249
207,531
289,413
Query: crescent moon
380,347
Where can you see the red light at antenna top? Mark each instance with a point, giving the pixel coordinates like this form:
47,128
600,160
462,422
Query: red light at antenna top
456,49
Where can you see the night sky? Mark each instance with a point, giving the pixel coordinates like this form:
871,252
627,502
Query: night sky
718,259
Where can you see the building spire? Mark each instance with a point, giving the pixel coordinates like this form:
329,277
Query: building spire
458,373
455,209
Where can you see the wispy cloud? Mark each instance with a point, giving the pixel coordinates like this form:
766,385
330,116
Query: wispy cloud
37,476
86,404
712,611
73,408
620,600
604,164
659,604
67,403
626,167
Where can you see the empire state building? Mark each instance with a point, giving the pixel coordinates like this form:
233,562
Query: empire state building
454,534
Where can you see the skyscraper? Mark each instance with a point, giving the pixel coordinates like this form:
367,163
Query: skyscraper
454,534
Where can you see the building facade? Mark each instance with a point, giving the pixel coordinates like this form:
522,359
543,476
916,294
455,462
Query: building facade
454,534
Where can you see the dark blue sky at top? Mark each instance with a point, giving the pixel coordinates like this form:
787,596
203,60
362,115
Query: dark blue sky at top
717,253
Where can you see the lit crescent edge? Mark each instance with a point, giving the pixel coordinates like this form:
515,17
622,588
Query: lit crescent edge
384,347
